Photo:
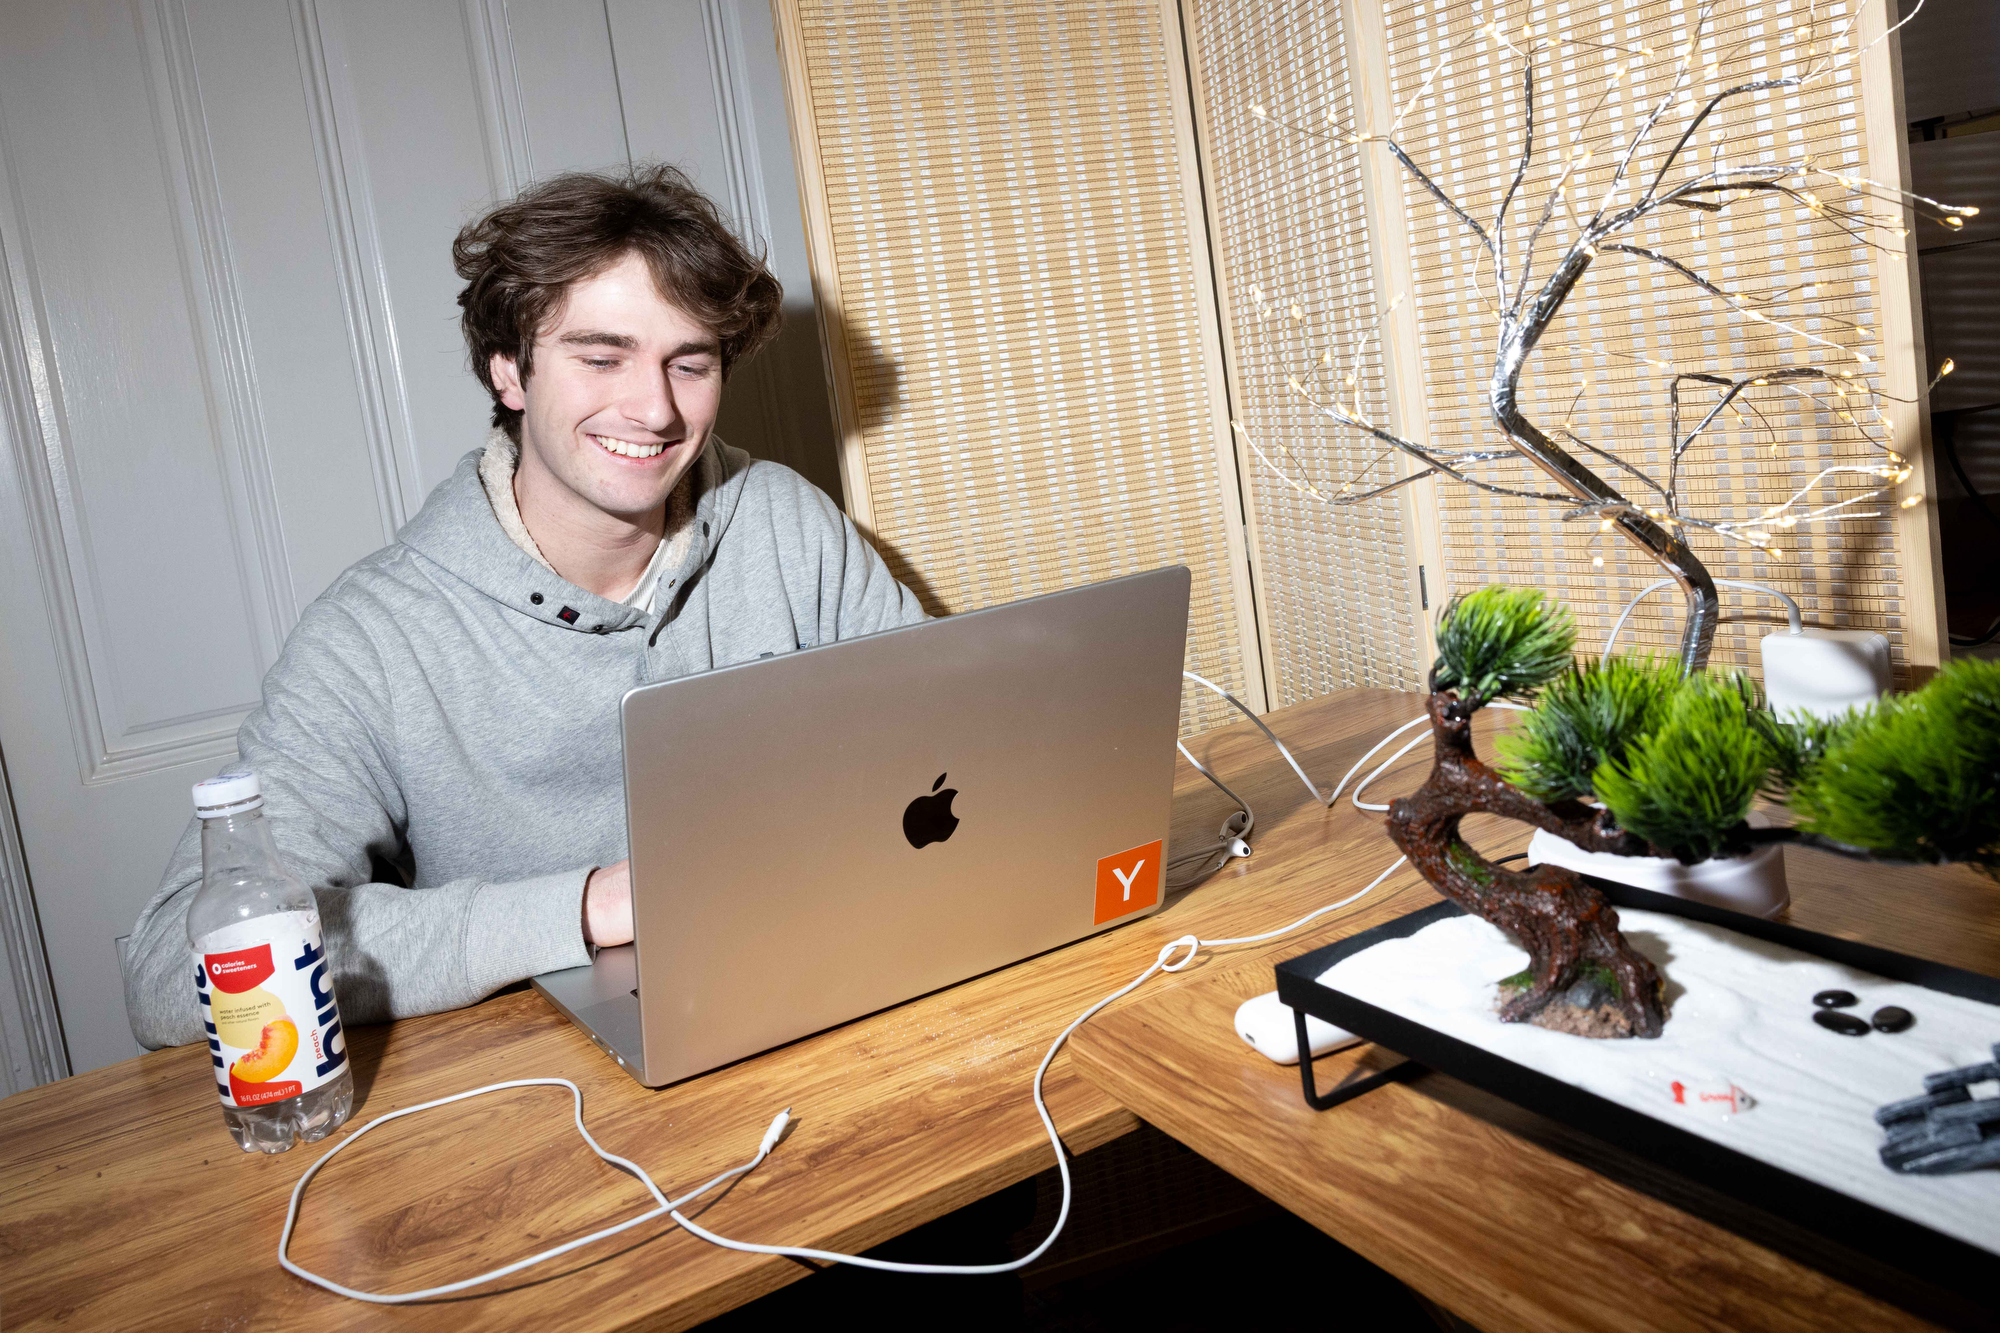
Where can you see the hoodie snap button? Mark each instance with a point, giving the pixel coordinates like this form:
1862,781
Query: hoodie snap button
535,597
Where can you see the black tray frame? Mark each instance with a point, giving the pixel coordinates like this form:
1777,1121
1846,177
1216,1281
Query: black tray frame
1906,1263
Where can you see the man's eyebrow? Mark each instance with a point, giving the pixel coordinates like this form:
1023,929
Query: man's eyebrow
599,338
625,342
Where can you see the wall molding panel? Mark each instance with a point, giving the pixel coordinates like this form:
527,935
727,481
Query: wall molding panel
739,143
349,207
111,743
30,1031
761,381
510,156
31,1041
232,374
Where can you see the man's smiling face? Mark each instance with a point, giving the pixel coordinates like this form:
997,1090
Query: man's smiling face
622,396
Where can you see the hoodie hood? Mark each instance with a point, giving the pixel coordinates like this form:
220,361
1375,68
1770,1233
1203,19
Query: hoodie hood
462,529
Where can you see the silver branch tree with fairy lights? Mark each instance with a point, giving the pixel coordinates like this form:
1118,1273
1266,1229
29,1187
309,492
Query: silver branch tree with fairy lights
1526,303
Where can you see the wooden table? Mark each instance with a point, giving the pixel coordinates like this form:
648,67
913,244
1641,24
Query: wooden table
123,1203
1477,1204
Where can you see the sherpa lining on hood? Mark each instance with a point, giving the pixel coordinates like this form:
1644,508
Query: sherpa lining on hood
497,465
471,527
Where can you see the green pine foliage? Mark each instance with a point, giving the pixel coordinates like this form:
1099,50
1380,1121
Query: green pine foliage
1582,718
1678,761
1686,784
1916,777
1798,742
1500,640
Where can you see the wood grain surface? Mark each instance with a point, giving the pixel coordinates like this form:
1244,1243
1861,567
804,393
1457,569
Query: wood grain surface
1423,1179
124,1205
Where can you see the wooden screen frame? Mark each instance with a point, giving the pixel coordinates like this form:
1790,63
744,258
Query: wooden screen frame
1389,229
1926,642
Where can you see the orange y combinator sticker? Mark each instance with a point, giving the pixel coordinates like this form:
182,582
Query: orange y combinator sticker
1128,882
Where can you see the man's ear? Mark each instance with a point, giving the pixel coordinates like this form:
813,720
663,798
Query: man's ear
507,381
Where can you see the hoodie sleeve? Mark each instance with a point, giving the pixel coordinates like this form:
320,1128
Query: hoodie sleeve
321,742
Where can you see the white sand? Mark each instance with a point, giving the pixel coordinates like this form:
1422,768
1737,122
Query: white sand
1741,1014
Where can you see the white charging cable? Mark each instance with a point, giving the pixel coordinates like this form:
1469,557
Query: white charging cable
1165,961
1408,746
666,1205
1792,613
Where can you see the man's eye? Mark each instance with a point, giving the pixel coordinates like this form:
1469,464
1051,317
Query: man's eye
693,370
600,362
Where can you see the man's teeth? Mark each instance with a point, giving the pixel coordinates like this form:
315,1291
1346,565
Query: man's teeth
627,449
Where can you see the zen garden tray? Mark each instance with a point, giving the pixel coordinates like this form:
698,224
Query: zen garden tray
1746,1110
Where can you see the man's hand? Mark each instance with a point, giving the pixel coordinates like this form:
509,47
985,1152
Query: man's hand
607,906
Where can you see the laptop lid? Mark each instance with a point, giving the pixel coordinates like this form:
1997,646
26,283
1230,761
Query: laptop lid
821,835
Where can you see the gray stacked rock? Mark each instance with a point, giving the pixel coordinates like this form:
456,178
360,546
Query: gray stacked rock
1947,1129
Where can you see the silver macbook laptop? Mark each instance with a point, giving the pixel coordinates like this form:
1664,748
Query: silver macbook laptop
821,835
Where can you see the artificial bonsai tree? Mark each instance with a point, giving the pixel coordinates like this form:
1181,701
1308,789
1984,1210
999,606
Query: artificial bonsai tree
1673,761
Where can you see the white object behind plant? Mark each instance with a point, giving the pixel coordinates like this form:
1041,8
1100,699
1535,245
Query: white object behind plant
1754,884
1825,671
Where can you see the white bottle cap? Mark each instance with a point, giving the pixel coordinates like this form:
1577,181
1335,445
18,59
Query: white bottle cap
233,793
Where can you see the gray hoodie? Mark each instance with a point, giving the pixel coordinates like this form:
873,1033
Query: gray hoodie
448,710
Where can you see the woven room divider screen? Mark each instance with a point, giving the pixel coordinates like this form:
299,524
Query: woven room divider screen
1289,211
1004,220
1339,594
1012,225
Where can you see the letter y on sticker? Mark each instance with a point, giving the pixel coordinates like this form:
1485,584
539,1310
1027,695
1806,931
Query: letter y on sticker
1128,882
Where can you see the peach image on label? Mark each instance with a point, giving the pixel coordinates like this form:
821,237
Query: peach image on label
276,1046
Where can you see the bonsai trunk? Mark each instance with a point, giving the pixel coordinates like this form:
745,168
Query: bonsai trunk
1569,930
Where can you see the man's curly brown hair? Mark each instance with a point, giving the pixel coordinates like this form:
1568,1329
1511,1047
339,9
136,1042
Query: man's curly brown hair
519,261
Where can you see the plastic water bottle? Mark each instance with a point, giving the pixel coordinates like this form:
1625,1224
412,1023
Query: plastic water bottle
265,988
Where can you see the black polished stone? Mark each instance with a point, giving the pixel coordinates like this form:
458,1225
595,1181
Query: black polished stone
1847,1025
1890,1018
1835,999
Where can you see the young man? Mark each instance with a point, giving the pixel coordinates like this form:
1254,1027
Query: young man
448,709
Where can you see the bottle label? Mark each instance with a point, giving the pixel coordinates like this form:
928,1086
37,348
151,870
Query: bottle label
273,1028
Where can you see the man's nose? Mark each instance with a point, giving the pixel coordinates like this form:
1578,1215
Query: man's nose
652,404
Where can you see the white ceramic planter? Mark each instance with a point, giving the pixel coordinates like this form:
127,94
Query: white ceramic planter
1754,884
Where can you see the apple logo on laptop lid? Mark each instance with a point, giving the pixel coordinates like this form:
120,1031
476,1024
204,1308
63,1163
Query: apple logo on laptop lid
929,819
